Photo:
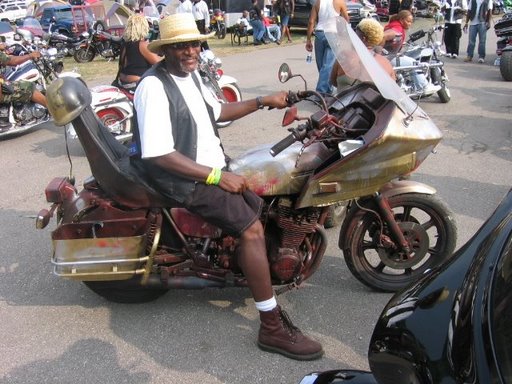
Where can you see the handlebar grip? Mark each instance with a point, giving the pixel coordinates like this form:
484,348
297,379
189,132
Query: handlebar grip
282,145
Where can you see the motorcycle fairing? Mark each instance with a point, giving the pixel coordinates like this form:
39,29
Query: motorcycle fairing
284,174
400,137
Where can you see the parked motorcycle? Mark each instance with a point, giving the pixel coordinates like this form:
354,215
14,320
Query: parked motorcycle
64,43
127,243
224,87
427,61
218,23
25,116
97,42
503,30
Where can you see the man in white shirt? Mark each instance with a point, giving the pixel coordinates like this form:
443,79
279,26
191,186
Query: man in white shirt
185,6
183,156
202,18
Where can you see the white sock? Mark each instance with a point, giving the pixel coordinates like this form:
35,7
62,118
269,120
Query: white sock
266,305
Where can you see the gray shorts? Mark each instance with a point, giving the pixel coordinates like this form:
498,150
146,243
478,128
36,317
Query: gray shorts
231,212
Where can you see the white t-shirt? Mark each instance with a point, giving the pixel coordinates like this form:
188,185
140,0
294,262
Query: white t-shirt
155,126
479,3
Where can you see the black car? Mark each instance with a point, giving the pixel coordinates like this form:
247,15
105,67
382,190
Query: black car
454,325
303,10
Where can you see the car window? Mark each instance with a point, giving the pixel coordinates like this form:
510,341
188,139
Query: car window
501,304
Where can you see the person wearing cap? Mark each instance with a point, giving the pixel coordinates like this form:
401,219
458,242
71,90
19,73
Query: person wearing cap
183,157
371,33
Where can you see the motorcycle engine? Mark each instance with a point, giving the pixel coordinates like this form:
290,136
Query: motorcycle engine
26,113
294,225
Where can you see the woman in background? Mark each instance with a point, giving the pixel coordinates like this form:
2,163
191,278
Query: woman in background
135,57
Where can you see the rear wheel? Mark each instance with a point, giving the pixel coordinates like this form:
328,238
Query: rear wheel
110,117
506,65
84,55
374,258
125,291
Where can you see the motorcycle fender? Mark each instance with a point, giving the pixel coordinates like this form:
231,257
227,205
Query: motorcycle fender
124,107
225,79
390,189
400,187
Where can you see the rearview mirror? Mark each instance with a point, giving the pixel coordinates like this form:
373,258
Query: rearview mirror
284,74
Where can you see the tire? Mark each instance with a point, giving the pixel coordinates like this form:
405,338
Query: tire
232,93
99,26
221,33
337,213
444,92
425,221
506,65
110,116
125,291
84,55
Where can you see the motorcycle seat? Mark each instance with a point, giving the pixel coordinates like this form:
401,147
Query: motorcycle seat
111,167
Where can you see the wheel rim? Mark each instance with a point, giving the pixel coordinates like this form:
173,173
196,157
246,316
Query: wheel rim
110,117
420,224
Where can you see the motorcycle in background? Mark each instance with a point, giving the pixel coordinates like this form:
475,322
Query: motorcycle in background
97,42
223,87
218,23
503,30
64,43
427,61
127,243
24,116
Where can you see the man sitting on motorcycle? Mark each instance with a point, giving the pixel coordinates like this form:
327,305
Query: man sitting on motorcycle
16,91
182,154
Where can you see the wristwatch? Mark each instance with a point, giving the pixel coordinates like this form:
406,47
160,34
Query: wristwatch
259,102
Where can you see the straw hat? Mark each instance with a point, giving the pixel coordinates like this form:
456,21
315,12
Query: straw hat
177,28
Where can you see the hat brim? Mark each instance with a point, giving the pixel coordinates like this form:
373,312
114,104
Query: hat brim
156,45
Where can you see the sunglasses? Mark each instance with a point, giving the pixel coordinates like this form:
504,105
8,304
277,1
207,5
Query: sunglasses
186,45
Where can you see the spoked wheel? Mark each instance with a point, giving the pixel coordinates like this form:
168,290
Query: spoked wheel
125,291
374,258
110,117
84,55
444,92
231,93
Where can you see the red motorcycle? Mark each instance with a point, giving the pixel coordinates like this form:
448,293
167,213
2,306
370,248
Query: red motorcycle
218,23
128,243
98,42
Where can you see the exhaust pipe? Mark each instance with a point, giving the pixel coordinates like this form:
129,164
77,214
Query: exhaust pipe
183,282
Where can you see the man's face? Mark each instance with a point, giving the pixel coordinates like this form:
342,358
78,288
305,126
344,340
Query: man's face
182,58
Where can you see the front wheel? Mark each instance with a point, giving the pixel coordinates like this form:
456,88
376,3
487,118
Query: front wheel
221,32
444,92
506,65
84,55
377,261
232,93
125,291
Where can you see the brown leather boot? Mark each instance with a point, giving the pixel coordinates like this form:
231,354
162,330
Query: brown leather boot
278,334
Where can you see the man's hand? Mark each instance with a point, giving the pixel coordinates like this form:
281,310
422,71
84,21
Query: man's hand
277,100
233,183
35,55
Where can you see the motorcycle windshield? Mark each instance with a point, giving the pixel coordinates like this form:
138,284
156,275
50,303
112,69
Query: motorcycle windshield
358,63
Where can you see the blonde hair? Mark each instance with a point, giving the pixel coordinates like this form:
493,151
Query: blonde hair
372,31
137,28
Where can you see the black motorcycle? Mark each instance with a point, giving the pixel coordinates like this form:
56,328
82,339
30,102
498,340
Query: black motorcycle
98,42
503,29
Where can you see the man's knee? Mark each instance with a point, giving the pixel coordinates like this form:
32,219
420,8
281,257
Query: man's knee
254,231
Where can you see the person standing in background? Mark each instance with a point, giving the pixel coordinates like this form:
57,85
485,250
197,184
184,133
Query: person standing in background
479,20
202,17
321,13
185,6
285,10
453,11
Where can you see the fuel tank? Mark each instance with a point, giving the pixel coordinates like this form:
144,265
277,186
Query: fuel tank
284,174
